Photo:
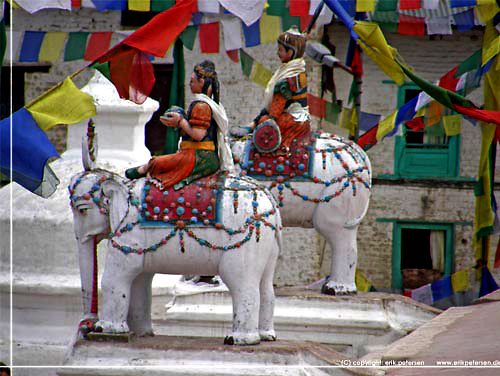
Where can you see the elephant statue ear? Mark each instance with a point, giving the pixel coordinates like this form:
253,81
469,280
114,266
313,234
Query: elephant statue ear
89,147
117,193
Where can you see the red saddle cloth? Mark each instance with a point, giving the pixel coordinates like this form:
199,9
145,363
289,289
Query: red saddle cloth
194,204
295,162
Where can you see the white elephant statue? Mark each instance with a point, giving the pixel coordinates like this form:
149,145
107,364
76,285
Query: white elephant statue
332,196
242,248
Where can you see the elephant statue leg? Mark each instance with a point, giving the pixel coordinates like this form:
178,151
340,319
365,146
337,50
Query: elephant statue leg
266,312
139,313
344,259
120,272
86,260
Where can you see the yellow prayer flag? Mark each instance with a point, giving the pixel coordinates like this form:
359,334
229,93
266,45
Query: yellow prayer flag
386,125
63,104
435,113
52,45
345,118
486,10
491,51
13,4
139,5
365,6
460,280
362,284
420,112
260,74
452,124
270,28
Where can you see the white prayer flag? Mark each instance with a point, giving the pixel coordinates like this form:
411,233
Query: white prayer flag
231,28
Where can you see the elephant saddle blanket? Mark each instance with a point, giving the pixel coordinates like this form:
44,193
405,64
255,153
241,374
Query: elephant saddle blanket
296,161
196,204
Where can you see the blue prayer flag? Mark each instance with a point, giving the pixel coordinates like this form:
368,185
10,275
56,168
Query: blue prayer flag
367,121
462,3
196,18
464,20
110,4
31,46
252,34
441,289
30,150
488,283
405,113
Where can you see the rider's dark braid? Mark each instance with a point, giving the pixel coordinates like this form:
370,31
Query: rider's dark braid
206,70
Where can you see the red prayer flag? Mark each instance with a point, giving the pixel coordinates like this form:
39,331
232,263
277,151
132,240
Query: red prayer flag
449,81
409,25
356,65
409,4
299,7
497,254
209,38
369,138
234,55
416,124
304,22
485,116
130,68
316,105
76,3
97,44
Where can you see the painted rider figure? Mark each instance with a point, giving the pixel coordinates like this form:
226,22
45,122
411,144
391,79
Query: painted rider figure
203,129
285,97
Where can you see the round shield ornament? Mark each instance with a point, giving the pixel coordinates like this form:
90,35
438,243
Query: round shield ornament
267,137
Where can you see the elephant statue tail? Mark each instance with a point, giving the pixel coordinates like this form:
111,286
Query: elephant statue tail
353,223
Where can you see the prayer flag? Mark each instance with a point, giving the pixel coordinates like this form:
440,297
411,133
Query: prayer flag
208,6
288,21
430,4
252,34
30,150
460,280
409,25
332,111
139,5
76,3
409,4
34,6
52,45
387,5
365,6
231,27
435,113
423,294
386,125
316,105
102,5
98,43
246,62
441,289
260,75
161,5
209,38
488,283
438,25
369,138
362,284
276,8
188,36
465,20
452,124
462,3
345,118
304,21
233,55
130,69
63,104
473,62
486,10
269,29
76,45
367,121
299,7
31,46
325,17
248,11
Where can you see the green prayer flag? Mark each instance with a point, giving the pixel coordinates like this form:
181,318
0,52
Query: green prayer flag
161,5
332,111
76,45
387,5
276,8
188,36
103,68
177,95
436,130
246,62
288,21
471,63
354,91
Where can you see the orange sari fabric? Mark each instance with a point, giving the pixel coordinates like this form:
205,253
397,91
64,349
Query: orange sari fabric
289,128
172,168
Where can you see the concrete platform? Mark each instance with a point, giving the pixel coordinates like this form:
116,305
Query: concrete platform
462,340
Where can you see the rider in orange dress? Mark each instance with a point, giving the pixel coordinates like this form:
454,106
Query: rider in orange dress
285,98
202,130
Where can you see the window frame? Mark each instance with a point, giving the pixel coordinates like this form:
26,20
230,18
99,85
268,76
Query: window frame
417,163
449,255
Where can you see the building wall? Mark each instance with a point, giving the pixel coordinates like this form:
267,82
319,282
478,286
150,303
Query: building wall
305,261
